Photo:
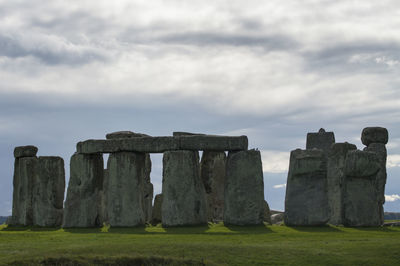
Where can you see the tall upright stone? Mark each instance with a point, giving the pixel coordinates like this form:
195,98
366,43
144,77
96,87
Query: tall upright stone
244,189
361,204
25,175
321,140
375,139
123,189
147,186
213,172
156,212
306,201
184,199
336,178
48,192
83,202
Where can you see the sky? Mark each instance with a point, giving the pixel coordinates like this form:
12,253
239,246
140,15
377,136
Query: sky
271,70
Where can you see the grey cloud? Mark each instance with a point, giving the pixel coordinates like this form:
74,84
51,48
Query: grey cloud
65,53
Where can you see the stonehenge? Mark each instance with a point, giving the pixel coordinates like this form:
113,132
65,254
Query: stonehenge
350,186
39,184
327,182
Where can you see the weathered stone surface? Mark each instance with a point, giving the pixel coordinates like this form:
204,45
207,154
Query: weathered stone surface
336,176
380,150
125,135
83,202
306,201
321,140
156,213
162,144
267,213
25,175
123,189
179,133
184,200
48,192
361,204
213,172
374,135
25,151
148,190
277,218
244,189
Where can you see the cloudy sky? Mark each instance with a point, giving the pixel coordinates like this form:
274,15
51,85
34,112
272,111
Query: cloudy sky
272,70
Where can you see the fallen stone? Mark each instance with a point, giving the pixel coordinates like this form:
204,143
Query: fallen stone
361,204
162,144
184,200
380,150
374,135
213,172
321,140
277,218
124,189
244,189
336,176
48,192
25,175
25,151
83,202
267,213
306,201
156,213
124,135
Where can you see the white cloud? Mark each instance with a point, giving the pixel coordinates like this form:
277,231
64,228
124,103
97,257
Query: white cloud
393,160
280,186
391,198
275,161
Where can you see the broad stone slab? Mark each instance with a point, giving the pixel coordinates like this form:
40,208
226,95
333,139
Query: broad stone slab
361,204
124,189
184,200
83,203
25,151
244,189
213,172
162,144
156,213
48,192
125,135
321,140
306,201
25,175
336,177
374,135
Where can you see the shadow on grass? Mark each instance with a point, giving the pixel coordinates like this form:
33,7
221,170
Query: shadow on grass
316,229
386,229
10,228
249,229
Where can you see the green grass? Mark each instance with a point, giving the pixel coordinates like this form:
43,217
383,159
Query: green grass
214,244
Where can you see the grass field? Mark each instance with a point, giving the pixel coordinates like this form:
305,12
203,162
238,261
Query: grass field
214,244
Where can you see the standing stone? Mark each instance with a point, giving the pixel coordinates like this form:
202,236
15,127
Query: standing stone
48,192
147,186
244,189
148,190
336,178
184,200
380,150
374,135
322,140
25,175
83,203
306,201
156,213
124,189
267,213
213,172
361,204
